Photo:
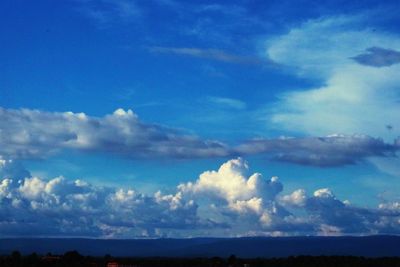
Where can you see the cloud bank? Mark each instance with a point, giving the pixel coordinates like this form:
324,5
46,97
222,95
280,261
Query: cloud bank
224,202
328,151
29,133
62,207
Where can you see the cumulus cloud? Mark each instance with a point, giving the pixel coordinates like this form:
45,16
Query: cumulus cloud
249,201
351,98
378,57
331,216
391,206
228,201
328,151
62,207
297,198
231,190
29,133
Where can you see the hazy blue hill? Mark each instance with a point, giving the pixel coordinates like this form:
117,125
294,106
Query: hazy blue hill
371,246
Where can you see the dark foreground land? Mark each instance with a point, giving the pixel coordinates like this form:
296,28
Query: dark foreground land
249,247
347,251
73,258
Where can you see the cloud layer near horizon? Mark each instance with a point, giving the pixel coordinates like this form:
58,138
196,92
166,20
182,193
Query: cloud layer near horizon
227,202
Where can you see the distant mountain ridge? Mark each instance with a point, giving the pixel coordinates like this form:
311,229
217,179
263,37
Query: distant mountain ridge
246,247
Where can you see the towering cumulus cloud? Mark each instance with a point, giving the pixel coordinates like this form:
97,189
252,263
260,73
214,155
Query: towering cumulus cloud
228,201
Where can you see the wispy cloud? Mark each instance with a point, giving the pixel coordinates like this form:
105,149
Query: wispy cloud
105,12
357,94
230,10
357,98
227,102
213,54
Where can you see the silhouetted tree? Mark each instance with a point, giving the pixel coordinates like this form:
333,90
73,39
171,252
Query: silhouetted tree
232,261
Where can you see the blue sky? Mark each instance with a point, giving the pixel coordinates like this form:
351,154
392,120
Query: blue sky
125,107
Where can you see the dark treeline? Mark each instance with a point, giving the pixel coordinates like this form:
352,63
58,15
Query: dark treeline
73,258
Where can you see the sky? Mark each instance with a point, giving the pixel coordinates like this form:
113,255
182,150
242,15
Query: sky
168,118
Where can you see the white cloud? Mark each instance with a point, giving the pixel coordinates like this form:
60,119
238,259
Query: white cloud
395,206
296,198
231,183
254,204
59,206
224,202
32,188
352,98
323,193
35,134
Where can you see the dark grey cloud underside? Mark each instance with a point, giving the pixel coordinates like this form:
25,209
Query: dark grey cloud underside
330,151
378,57
37,134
